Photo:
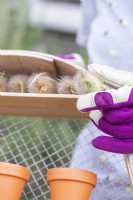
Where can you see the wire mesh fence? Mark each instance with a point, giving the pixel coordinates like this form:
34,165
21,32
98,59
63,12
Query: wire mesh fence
40,143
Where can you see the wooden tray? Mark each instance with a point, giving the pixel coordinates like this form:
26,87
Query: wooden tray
39,105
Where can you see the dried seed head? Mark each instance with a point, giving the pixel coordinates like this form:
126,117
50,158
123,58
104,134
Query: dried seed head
41,83
66,85
3,84
85,82
17,83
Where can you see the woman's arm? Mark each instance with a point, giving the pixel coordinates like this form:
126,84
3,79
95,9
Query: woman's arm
88,13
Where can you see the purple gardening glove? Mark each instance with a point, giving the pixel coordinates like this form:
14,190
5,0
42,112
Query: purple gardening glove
73,58
112,113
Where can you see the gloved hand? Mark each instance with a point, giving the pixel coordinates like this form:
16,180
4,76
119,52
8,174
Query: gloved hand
112,113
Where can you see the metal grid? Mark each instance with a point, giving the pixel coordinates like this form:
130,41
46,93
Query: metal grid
39,144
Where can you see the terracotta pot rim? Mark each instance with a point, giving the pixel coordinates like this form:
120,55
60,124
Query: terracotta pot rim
14,170
71,174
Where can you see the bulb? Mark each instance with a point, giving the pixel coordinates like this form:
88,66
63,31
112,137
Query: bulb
85,82
66,85
41,83
17,83
3,84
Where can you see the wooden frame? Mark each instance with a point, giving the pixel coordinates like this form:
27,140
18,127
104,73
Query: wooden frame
39,105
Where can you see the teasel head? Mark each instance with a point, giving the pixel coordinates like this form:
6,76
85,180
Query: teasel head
65,85
3,82
17,83
41,83
86,82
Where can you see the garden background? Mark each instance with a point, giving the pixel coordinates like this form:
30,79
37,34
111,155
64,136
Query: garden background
37,143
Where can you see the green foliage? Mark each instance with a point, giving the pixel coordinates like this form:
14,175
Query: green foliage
16,33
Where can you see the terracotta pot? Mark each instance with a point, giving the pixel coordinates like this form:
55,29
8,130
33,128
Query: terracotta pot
70,183
12,180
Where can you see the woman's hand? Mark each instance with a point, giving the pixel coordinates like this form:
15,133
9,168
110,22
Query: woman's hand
112,113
